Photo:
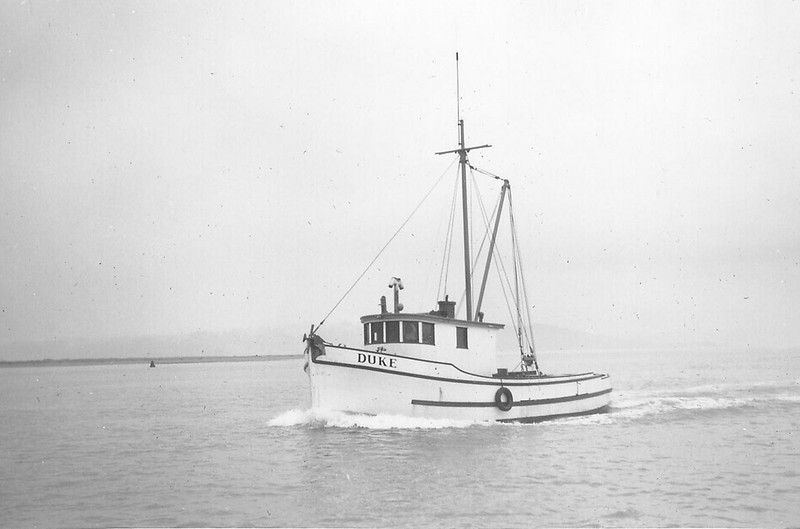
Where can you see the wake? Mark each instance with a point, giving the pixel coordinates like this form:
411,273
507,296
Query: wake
705,399
322,418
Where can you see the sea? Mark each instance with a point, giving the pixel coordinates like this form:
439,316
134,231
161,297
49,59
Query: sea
694,438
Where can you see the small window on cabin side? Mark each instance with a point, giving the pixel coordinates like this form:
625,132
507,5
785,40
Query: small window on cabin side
428,335
392,332
366,334
377,332
461,338
410,332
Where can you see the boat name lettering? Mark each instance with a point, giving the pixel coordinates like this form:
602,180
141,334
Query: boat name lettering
364,358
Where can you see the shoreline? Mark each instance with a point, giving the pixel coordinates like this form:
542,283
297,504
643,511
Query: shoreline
64,362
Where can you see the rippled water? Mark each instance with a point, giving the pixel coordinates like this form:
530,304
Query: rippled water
694,438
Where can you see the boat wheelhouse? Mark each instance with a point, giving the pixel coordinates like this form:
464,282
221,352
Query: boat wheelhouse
435,335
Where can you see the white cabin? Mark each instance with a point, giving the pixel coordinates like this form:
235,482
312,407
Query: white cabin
436,335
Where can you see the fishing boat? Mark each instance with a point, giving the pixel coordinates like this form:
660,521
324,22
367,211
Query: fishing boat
442,363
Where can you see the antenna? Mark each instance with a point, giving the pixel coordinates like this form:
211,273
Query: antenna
458,94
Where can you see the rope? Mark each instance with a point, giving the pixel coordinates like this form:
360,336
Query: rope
523,301
486,223
517,299
529,330
444,271
386,245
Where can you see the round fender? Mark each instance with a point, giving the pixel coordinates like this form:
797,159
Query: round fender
503,399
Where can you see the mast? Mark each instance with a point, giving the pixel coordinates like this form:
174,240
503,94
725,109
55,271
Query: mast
463,162
462,153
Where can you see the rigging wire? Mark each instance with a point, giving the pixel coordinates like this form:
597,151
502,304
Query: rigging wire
444,271
516,281
517,273
527,304
487,223
386,245
487,173
528,329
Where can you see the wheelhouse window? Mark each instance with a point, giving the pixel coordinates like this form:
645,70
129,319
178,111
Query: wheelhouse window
377,332
428,335
392,332
461,338
410,332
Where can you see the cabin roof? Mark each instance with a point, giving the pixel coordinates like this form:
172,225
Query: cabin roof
428,317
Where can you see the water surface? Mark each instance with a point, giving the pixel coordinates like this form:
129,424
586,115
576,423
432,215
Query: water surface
694,438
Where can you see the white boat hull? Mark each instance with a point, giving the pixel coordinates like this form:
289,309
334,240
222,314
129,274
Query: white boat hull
371,382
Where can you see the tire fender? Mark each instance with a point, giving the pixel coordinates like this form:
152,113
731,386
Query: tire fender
503,399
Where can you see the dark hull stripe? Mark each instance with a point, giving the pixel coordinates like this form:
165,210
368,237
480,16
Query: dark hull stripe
544,381
601,409
539,402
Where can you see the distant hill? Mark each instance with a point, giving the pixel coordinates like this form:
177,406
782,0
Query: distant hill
152,361
197,344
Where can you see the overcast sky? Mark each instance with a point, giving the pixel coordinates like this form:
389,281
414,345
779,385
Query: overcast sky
172,167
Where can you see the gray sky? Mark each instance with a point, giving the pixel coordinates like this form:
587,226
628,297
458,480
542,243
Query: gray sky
173,167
